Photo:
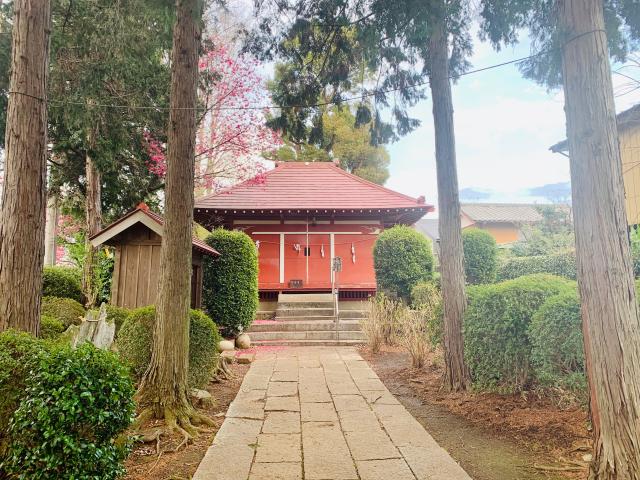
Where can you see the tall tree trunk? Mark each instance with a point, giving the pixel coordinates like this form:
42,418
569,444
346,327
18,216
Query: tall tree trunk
93,218
451,255
164,390
22,217
50,231
609,311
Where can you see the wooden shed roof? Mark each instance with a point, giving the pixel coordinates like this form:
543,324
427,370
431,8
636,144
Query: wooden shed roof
152,220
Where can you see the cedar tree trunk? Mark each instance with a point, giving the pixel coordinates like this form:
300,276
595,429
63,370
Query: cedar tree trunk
22,217
451,255
164,387
605,278
93,217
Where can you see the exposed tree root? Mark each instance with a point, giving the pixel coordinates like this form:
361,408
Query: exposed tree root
222,369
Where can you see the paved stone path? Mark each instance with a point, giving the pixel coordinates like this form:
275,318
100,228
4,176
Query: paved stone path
320,413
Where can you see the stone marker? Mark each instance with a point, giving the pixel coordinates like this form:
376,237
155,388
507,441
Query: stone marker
243,341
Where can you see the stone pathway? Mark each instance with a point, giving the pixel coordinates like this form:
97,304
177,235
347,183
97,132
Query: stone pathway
319,413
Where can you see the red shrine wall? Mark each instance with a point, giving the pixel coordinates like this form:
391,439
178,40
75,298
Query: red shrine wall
297,250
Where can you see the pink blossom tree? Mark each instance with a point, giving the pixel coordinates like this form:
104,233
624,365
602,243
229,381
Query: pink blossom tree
232,134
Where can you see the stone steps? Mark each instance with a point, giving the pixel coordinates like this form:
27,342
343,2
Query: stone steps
308,319
309,343
287,336
303,325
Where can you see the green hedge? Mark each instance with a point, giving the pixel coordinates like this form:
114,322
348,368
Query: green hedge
230,283
63,282
19,355
560,264
402,258
50,327
496,325
74,406
68,311
135,340
480,256
557,351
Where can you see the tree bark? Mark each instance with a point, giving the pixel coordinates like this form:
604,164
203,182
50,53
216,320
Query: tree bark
93,218
22,217
609,311
164,388
451,255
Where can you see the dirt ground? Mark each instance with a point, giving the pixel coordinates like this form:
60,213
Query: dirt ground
494,437
145,464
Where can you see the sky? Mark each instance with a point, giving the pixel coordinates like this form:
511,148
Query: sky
504,126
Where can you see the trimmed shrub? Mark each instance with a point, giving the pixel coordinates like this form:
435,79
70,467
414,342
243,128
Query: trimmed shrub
19,355
68,311
560,264
135,340
480,256
75,404
230,281
50,327
402,258
496,325
427,296
557,351
62,282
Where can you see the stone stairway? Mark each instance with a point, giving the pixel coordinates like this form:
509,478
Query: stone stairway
308,319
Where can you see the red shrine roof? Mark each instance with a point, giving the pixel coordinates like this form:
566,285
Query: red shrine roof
309,186
152,220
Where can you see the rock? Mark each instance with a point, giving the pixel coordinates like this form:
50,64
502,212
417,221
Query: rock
201,398
95,328
225,345
244,358
243,341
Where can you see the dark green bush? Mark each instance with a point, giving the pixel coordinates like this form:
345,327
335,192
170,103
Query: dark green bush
75,404
424,293
68,311
50,327
557,351
62,282
560,264
230,283
480,256
136,337
19,355
496,324
402,258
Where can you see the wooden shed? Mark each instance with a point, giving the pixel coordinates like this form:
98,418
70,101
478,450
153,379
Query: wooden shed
137,238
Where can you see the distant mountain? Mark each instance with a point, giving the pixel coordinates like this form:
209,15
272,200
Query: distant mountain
471,194
553,192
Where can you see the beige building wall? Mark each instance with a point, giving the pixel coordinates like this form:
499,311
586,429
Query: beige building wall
630,153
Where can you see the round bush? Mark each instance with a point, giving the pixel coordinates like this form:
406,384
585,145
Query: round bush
135,341
50,327
62,282
496,324
230,281
402,258
76,404
19,355
68,311
557,351
561,264
480,256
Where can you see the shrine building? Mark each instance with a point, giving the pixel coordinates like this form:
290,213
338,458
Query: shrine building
301,216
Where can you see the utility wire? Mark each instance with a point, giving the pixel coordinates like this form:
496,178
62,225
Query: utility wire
365,95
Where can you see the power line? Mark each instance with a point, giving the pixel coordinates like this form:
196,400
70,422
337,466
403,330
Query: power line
364,96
